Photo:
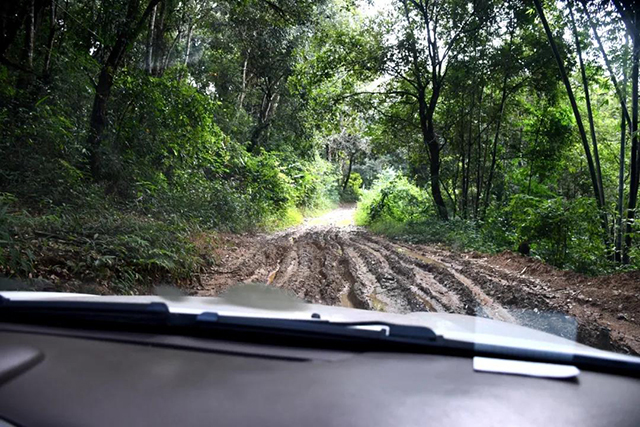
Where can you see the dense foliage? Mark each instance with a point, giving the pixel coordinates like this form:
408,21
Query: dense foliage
132,129
565,233
197,129
516,118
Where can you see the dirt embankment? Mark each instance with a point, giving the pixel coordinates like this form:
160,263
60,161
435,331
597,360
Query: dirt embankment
330,261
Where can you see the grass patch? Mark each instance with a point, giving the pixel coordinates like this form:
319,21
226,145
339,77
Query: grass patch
361,216
290,217
113,251
293,216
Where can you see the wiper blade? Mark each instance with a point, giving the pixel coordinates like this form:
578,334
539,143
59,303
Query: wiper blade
156,318
130,313
127,316
375,330
418,333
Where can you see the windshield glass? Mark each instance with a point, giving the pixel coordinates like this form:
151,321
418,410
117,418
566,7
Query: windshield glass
475,157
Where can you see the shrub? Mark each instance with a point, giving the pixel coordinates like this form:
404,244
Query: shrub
393,198
353,189
565,233
458,234
120,251
315,184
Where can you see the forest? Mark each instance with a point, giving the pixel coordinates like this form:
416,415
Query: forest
135,133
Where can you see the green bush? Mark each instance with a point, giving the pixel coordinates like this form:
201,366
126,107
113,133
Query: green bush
458,234
313,189
398,209
353,189
315,184
565,233
118,250
393,199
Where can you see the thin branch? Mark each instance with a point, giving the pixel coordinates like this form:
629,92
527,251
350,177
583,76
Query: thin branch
390,92
461,30
414,49
399,74
608,64
280,11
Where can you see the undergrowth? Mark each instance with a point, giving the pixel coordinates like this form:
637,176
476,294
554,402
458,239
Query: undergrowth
457,234
86,240
563,233
111,250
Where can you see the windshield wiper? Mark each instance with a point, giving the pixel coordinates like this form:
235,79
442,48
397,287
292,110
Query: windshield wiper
69,311
156,318
380,330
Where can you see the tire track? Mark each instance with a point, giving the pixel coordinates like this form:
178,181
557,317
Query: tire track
348,266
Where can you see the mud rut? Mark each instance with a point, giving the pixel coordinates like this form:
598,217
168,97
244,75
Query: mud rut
348,266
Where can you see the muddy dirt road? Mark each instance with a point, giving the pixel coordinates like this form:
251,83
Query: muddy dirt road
329,260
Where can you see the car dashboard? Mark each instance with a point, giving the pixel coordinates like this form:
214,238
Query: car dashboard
61,377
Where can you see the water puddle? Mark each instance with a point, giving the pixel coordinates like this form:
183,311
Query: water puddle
272,276
428,304
376,303
420,257
345,301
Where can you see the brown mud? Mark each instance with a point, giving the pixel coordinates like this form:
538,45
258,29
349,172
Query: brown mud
330,261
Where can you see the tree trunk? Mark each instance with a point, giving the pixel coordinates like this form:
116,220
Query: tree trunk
619,232
158,41
188,49
98,119
434,169
503,100
623,141
427,111
243,91
167,57
494,150
585,85
466,177
346,180
463,160
29,34
50,39
480,157
452,198
574,106
635,170
431,144
149,53
535,142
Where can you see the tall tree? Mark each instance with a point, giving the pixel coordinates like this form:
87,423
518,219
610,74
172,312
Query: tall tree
587,100
51,37
574,106
432,33
630,13
128,32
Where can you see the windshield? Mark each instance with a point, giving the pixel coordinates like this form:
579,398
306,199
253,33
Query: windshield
478,158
